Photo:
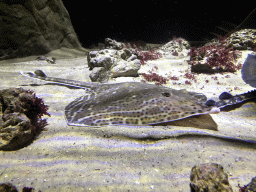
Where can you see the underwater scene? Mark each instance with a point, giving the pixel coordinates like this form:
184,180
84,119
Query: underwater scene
113,111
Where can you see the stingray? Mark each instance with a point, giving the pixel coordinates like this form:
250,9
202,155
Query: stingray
135,103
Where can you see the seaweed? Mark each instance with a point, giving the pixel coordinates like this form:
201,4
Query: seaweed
35,110
159,80
143,56
219,56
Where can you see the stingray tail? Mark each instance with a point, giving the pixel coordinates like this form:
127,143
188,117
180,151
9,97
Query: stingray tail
248,95
229,102
38,74
226,99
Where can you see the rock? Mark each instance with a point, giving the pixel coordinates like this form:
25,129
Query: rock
8,187
244,39
43,58
20,114
112,44
103,58
111,63
99,74
34,28
126,69
202,68
176,47
101,46
252,185
209,177
217,57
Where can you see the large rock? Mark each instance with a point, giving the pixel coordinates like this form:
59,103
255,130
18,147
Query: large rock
176,47
252,185
209,177
20,118
34,28
111,63
244,39
113,44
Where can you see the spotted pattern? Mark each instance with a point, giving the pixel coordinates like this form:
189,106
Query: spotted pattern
130,103
142,104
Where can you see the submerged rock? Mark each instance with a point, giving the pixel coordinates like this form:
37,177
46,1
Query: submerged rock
176,47
35,27
244,39
111,63
252,185
44,58
113,44
20,114
209,177
8,187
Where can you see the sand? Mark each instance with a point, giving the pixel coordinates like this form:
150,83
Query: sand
126,158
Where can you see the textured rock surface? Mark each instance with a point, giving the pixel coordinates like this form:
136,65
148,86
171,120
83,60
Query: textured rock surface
176,47
34,27
244,39
20,113
113,44
251,186
7,187
111,63
209,177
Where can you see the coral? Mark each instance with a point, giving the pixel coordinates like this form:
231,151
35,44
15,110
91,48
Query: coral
218,56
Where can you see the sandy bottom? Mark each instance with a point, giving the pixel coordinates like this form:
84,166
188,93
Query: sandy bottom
120,158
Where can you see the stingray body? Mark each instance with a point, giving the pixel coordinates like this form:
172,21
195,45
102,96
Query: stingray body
136,103
129,103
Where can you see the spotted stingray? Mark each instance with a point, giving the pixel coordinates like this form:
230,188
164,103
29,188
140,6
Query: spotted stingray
132,103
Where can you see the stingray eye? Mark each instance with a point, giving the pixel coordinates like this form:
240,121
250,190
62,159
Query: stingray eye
200,97
166,94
